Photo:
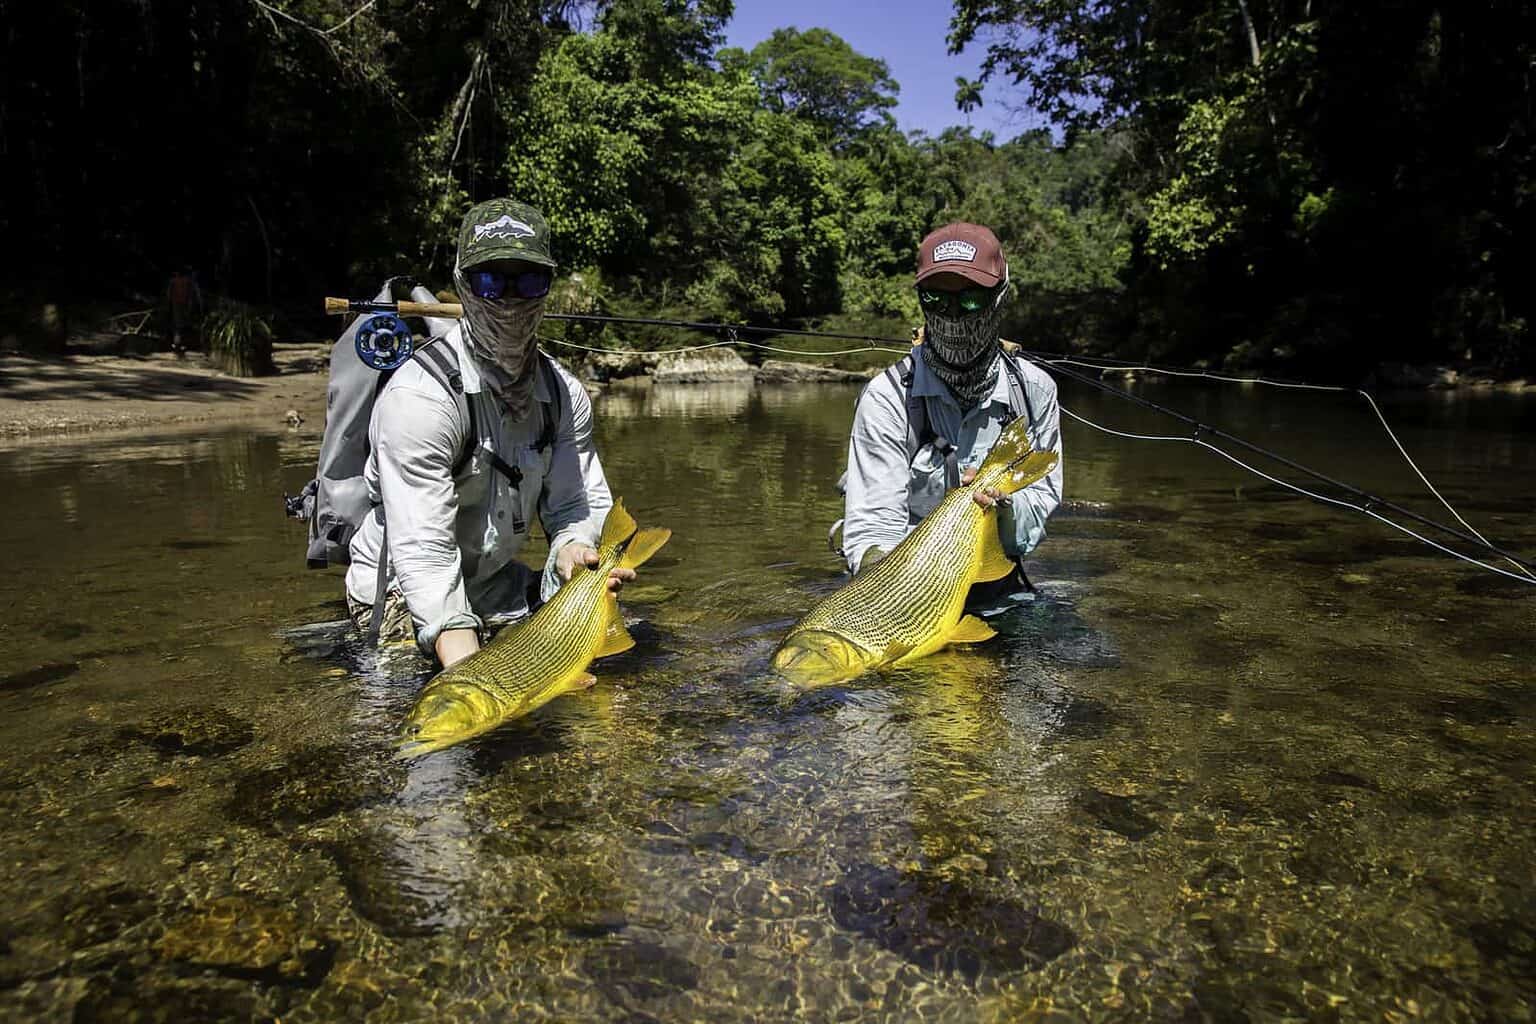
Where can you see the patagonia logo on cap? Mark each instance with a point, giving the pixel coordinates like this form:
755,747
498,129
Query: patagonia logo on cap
505,226
954,249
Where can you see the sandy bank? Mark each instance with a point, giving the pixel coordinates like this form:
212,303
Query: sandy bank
79,392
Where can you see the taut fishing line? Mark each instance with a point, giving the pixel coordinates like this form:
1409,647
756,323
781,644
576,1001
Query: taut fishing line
1059,361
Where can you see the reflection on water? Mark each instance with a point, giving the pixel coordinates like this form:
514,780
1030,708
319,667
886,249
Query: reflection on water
1243,758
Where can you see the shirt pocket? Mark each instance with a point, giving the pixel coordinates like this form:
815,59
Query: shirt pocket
925,485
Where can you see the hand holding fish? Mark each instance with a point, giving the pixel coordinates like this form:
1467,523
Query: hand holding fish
986,497
573,555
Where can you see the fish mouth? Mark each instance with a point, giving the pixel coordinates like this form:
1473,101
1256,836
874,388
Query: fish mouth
816,658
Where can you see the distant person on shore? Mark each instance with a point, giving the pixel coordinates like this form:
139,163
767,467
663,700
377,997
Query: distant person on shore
186,302
466,453
923,426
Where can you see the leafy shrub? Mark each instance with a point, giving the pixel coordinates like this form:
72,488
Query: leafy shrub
239,340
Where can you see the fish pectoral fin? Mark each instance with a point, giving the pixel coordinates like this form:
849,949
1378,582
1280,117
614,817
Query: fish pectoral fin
993,562
894,652
617,640
971,630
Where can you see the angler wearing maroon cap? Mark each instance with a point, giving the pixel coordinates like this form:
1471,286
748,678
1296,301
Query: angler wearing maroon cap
923,426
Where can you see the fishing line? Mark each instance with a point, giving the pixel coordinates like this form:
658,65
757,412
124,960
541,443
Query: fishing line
1380,417
1298,489
1059,362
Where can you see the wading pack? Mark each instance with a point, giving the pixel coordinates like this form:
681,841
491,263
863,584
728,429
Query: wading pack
336,500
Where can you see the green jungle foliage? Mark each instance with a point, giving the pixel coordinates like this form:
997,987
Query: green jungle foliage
1245,183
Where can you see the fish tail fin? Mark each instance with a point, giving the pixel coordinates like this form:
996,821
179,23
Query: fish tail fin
643,545
1012,464
1011,446
618,527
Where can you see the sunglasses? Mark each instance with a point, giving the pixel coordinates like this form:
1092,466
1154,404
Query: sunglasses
492,284
961,303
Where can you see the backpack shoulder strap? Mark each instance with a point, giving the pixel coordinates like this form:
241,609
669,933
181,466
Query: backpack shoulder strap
556,388
441,363
1018,395
919,432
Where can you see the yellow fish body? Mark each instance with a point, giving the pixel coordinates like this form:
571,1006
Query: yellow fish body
912,602
534,661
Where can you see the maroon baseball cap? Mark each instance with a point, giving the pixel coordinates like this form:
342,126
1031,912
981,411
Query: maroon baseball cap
969,250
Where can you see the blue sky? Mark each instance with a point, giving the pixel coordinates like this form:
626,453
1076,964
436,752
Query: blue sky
909,36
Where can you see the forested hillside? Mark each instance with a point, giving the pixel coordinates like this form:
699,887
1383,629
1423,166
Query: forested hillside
1251,183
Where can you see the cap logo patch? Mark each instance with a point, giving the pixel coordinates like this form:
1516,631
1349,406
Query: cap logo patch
504,226
954,249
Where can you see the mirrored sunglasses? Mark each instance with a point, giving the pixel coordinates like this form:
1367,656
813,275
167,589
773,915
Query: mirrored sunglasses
961,303
493,284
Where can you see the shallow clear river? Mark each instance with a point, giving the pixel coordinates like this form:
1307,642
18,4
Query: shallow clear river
1245,758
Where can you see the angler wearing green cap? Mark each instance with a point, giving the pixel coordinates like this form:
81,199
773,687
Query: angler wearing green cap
470,442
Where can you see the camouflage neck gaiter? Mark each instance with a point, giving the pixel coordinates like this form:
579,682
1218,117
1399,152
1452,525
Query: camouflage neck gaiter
502,333
962,352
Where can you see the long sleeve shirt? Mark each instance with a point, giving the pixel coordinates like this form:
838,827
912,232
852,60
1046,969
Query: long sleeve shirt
452,535
889,489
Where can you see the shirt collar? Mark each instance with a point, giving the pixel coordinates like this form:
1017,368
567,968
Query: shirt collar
926,383
474,379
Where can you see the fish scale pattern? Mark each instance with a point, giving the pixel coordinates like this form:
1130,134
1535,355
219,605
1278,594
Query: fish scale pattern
914,590
557,640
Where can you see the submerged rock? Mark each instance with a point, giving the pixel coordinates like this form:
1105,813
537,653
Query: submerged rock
109,999
242,938
200,731
639,971
311,785
942,924
43,674
1116,813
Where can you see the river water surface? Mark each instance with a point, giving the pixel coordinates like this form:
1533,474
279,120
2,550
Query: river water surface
1245,758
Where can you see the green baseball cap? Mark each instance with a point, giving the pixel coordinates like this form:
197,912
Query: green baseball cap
501,229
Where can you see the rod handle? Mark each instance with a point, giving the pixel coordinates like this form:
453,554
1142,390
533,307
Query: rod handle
450,310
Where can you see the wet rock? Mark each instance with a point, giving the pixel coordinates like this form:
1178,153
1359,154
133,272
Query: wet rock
596,926
200,731
313,784
51,672
1348,780
152,1002
639,971
386,890
779,371
1473,710
104,913
944,924
1217,875
242,938
716,364
1116,813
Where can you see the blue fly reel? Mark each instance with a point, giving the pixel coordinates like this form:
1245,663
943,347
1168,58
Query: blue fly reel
384,342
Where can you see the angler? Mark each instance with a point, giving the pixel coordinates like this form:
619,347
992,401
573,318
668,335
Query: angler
923,425
469,441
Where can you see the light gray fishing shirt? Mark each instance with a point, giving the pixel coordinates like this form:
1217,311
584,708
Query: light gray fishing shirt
453,536
889,489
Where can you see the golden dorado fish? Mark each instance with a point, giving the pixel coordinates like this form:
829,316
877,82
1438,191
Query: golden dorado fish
912,602
536,660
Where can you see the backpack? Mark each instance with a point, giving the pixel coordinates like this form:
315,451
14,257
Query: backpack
336,500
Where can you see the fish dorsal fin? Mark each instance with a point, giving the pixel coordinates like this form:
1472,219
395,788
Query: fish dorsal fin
643,545
616,640
971,630
993,562
618,527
